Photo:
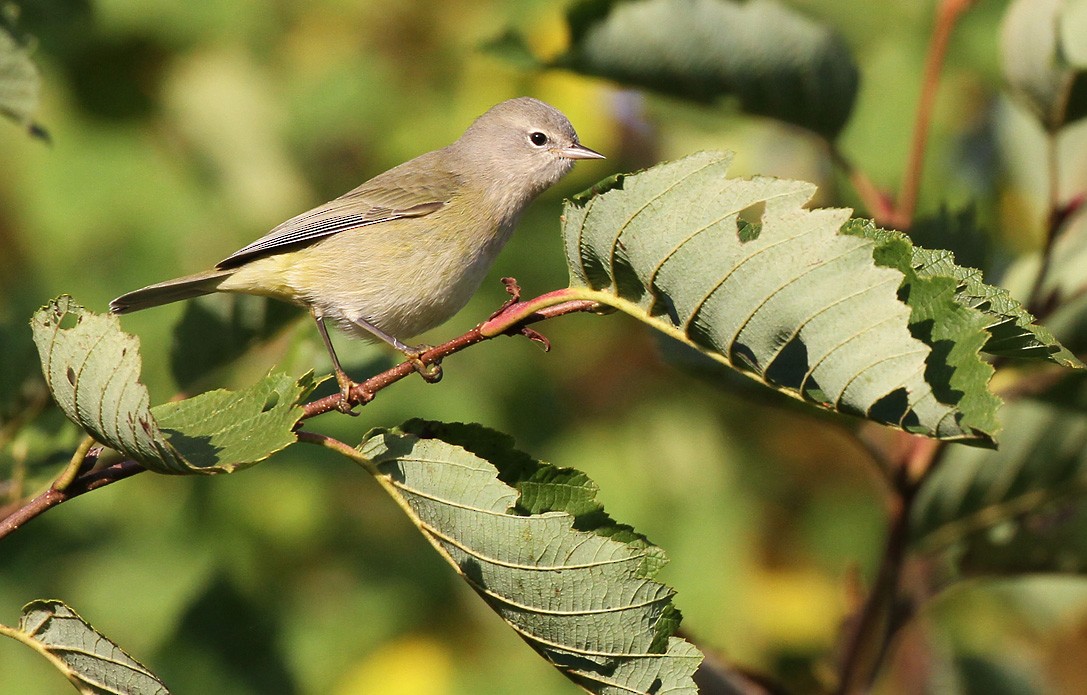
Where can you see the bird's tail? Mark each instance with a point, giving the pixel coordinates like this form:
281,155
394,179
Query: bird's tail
170,291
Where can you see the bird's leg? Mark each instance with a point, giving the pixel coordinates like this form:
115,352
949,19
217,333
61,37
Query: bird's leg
345,382
431,373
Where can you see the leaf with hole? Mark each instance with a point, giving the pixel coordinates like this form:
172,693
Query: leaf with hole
830,311
93,368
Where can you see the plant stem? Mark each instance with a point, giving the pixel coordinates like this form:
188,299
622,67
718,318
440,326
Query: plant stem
53,496
511,320
947,16
878,620
878,203
74,466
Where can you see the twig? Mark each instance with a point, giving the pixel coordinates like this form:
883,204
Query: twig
512,319
879,205
54,496
947,16
877,622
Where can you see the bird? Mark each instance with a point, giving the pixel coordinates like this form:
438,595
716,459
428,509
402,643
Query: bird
404,251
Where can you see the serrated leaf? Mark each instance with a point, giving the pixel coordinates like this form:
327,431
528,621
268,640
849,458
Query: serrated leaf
20,82
1011,328
537,547
93,663
772,60
1042,51
786,298
1020,509
93,368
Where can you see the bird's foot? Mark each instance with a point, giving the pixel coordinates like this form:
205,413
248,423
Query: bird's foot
431,373
346,386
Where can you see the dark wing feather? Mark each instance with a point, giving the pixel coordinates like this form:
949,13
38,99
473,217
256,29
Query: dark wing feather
389,196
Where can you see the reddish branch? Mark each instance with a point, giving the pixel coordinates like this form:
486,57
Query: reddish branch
899,213
54,495
512,318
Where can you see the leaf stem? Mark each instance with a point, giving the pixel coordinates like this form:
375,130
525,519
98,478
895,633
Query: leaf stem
79,458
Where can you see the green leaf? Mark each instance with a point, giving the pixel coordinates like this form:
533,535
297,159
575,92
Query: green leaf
1044,60
215,331
20,82
92,369
1020,509
838,317
1011,328
94,664
535,544
767,57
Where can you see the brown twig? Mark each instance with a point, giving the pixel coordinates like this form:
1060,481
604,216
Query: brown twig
883,209
874,627
512,319
879,205
54,496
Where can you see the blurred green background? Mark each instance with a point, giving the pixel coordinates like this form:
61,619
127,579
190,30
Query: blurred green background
182,131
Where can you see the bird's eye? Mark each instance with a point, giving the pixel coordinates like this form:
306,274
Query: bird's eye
538,139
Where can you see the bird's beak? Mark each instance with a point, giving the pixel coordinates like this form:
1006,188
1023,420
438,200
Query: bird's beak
579,151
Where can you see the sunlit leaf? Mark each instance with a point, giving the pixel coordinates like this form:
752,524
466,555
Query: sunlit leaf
851,319
93,369
94,664
1011,328
767,57
535,544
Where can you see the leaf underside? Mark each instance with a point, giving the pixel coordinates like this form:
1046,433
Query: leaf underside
834,314
537,547
93,663
93,369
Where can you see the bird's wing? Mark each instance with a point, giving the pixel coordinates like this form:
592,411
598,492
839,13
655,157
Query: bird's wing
389,196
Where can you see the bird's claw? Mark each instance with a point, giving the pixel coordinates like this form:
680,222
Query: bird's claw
431,373
346,385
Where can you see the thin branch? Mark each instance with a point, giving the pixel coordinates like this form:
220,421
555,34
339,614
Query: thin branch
878,204
54,496
878,621
947,16
512,319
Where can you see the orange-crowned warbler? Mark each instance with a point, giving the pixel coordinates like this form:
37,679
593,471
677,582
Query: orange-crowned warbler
406,250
